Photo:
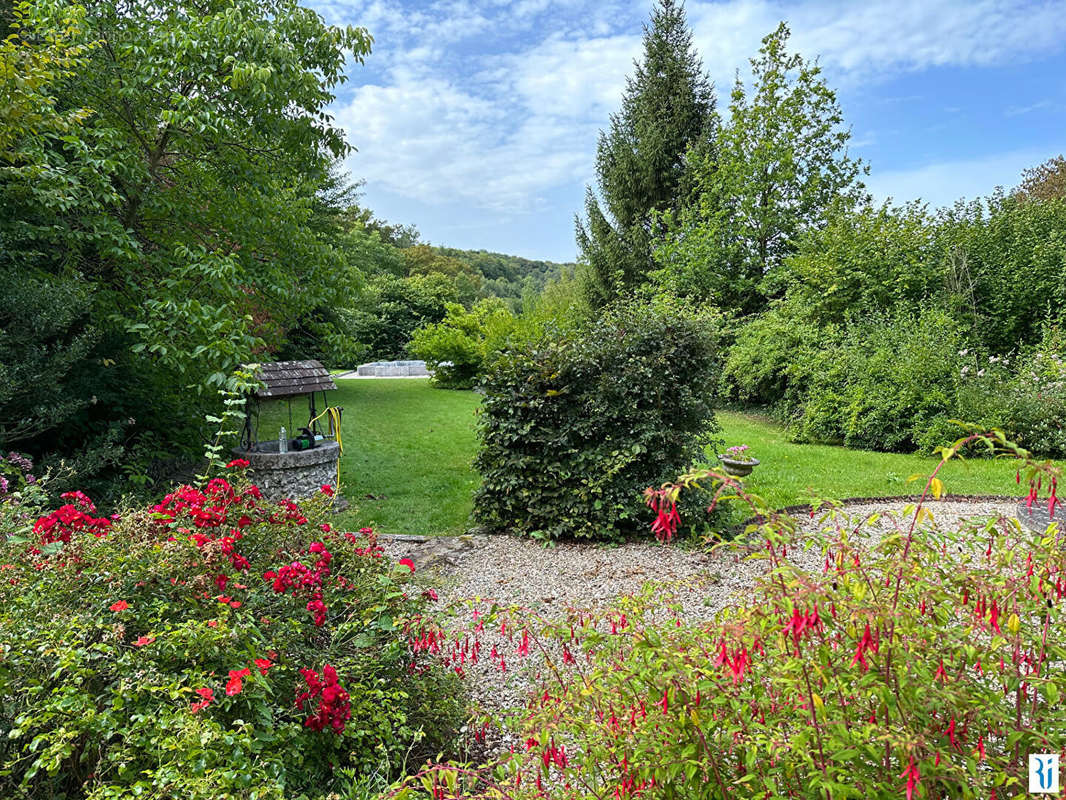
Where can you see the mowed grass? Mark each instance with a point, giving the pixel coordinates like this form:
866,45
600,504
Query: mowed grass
409,449
408,453
793,474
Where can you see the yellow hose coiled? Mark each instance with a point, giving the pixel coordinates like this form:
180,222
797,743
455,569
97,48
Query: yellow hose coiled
335,427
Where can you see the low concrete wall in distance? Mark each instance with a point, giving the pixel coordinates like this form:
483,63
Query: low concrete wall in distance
394,369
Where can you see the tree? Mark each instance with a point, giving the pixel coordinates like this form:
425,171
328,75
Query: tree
668,108
1045,182
185,199
780,166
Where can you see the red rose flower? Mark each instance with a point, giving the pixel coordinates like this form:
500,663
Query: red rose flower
406,562
121,605
235,683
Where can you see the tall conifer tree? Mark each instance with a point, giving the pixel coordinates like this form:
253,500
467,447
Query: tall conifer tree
668,107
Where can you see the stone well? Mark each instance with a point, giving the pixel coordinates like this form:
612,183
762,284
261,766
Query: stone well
295,475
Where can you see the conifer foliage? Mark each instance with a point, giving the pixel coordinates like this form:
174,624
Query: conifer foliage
668,108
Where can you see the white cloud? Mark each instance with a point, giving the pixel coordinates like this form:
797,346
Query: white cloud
944,182
1017,111
491,105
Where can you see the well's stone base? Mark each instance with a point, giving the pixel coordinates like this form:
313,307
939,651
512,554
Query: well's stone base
293,475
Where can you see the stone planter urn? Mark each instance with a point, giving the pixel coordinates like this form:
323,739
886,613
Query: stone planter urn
736,468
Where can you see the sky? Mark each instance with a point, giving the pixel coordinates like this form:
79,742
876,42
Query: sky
477,120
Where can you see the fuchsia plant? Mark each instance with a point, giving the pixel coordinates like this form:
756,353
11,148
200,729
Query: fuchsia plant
918,662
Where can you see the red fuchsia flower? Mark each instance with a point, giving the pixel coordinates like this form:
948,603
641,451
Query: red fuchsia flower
327,490
236,681
865,644
143,640
665,702
264,664
980,749
739,664
662,502
523,646
913,776
994,618
949,731
121,605
238,463
940,673
406,562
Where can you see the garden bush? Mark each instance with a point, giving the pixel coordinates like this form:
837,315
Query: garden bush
1025,394
889,381
573,427
456,348
214,645
775,356
912,660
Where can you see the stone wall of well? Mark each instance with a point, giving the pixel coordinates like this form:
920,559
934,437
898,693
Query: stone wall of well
295,475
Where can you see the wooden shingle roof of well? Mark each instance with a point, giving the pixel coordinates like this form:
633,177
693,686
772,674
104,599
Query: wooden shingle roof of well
288,378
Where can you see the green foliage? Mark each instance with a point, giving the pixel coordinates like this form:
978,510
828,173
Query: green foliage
1013,254
866,261
182,193
774,356
511,278
885,382
573,427
1024,395
45,340
148,682
457,348
667,108
394,307
779,168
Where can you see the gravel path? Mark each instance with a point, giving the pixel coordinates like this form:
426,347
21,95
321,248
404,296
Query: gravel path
551,581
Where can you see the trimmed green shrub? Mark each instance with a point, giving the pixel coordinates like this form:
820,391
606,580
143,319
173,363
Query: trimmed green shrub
214,645
574,428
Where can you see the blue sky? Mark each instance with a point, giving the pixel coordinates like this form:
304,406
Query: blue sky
476,120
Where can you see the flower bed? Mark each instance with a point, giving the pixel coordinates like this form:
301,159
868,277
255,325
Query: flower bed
215,644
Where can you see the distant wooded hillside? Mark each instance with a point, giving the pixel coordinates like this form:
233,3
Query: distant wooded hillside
504,275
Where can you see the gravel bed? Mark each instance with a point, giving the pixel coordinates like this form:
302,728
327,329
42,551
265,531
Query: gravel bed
554,581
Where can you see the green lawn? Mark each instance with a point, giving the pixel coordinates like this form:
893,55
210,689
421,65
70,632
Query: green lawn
408,450
407,457
790,474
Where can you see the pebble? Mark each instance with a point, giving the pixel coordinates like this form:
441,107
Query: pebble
557,580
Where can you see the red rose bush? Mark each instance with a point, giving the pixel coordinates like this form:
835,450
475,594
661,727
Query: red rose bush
212,645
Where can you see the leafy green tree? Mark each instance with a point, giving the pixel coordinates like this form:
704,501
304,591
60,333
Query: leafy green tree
1044,182
865,261
668,108
185,197
1011,253
393,308
780,167
425,260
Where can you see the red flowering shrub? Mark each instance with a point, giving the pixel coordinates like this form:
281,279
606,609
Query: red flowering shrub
916,662
160,652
